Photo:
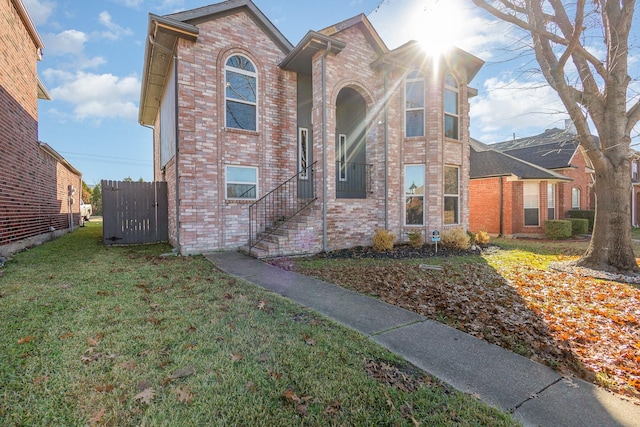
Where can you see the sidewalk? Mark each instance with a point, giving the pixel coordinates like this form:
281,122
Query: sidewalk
534,394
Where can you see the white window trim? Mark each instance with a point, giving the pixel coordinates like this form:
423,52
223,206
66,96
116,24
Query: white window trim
531,185
303,173
423,195
240,101
577,190
457,195
342,157
227,182
423,108
456,90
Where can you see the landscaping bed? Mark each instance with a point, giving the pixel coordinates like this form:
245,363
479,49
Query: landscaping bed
580,326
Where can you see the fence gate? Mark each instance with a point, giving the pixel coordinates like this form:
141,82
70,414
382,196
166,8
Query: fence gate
134,212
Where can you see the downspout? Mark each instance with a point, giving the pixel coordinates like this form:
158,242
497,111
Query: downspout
501,206
176,157
324,147
386,154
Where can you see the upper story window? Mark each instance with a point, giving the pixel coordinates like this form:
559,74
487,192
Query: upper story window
414,104
451,107
241,93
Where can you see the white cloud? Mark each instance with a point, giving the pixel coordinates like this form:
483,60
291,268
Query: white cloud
96,96
67,42
116,32
131,3
506,105
39,11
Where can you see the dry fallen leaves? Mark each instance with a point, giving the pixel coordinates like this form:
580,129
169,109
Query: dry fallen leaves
184,394
299,402
145,396
236,357
97,417
26,339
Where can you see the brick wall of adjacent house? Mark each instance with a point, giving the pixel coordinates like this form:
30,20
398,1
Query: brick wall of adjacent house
33,195
581,180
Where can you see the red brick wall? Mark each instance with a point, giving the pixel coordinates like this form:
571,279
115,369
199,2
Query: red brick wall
484,205
33,186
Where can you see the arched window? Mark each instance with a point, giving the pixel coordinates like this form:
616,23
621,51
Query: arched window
451,107
575,198
241,93
414,104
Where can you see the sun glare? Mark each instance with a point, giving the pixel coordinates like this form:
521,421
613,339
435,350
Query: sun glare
437,24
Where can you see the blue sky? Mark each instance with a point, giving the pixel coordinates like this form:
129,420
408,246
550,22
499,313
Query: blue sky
93,64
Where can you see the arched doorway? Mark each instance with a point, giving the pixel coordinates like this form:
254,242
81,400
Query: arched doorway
351,154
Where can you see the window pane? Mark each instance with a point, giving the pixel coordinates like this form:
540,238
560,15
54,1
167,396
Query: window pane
450,126
450,102
241,191
241,174
414,180
414,95
531,217
241,87
414,210
451,210
551,213
415,123
241,116
450,81
450,180
241,62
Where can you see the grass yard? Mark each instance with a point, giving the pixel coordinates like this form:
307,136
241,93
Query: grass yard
119,336
579,326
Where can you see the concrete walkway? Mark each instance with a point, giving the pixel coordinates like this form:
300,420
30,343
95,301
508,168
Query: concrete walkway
534,394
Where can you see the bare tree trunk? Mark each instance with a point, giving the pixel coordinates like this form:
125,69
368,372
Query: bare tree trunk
611,248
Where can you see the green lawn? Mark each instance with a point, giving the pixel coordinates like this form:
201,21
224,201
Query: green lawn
95,335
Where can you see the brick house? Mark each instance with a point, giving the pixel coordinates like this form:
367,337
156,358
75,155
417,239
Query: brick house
34,178
536,178
305,148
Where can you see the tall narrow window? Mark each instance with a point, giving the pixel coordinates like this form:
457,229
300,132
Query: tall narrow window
303,152
414,104
551,201
575,198
242,182
414,194
634,170
531,200
451,195
451,107
342,157
241,93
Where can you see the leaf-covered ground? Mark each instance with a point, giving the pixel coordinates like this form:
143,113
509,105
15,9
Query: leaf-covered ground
580,326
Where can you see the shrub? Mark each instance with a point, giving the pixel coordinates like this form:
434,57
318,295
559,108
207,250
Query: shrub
415,239
579,226
580,213
482,238
455,238
383,240
556,229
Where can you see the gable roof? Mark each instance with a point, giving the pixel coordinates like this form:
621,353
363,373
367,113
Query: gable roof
552,149
485,162
362,21
408,52
163,33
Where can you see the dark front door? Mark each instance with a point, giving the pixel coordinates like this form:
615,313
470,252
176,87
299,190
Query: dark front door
351,170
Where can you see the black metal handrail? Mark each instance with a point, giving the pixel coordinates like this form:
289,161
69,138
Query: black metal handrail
280,204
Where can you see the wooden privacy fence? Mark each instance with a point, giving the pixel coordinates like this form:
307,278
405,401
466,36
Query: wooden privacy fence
134,212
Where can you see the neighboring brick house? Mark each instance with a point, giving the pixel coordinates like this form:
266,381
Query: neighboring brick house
34,179
363,131
544,177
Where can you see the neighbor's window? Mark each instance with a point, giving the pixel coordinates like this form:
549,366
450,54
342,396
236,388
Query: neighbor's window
414,104
451,195
575,198
242,182
551,201
531,199
450,107
414,194
241,93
